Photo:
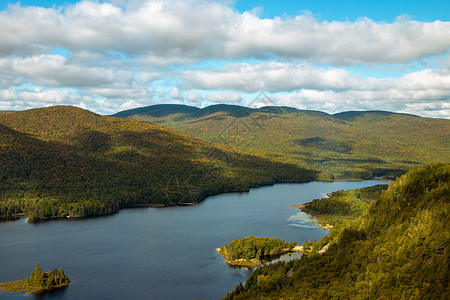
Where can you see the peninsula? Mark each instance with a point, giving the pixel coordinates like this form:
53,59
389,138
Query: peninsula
250,251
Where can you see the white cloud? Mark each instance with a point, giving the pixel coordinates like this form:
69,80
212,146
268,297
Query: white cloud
326,89
14,99
225,97
123,93
23,99
52,70
55,71
268,76
194,99
176,94
178,30
116,50
389,100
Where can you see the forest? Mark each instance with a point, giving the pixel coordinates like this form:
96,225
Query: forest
397,249
345,146
343,206
69,162
250,250
38,282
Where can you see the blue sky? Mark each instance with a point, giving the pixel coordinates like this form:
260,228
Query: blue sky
333,56
381,10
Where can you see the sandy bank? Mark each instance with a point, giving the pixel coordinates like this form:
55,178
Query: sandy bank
302,208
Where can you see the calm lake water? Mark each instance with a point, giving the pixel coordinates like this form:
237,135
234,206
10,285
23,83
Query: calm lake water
159,253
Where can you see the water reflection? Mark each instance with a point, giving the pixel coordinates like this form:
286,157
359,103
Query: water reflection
56,293
302,220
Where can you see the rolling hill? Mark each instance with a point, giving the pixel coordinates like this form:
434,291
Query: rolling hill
349,145
69,162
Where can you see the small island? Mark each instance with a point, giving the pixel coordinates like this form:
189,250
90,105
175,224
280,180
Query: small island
249,251
39,282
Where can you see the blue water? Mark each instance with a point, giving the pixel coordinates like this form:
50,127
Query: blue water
159,253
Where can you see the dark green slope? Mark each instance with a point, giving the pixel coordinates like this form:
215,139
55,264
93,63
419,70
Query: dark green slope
65,161
159,110
349,145
399,249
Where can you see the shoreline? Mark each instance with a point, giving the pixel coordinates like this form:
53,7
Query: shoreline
22,286
302,207
241,262
159,205
254,262
182,204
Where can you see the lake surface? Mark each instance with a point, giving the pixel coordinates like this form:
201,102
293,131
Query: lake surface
159,253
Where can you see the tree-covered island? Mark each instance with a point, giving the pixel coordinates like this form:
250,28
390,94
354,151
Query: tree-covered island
249,251
38,282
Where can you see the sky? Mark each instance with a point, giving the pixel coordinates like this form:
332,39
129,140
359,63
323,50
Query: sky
332,56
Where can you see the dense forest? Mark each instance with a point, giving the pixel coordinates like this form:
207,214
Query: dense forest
343,206
350,145
38,282
250,250
69,162
398,249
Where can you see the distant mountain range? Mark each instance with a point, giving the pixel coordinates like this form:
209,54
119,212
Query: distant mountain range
69,162
347,145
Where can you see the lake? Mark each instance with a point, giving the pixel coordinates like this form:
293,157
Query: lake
159,253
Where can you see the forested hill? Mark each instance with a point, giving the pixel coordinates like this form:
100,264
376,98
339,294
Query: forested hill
66,161
399,249
349,145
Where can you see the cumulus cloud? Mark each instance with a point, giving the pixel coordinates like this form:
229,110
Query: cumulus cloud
175,29
268,76
51,70
55,71
225,97
277,77
114,51
194,99
176,94
326,89
13,99
391,100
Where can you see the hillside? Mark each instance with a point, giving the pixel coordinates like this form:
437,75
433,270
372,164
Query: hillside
398,249
66,161
349,145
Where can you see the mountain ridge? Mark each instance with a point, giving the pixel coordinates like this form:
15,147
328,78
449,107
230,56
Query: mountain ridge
193,110
347,145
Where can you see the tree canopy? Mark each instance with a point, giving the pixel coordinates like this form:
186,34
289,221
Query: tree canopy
397,249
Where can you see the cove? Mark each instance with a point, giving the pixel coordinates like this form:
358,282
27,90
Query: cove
159,253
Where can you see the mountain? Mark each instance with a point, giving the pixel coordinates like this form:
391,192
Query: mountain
398,249
349,145
69,162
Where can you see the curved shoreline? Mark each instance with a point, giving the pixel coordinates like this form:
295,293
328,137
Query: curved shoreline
202,198
302,207
181,204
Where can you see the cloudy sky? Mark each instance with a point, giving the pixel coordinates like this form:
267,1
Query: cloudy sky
326,55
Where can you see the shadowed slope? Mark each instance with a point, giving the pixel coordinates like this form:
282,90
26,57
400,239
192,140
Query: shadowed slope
65,161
